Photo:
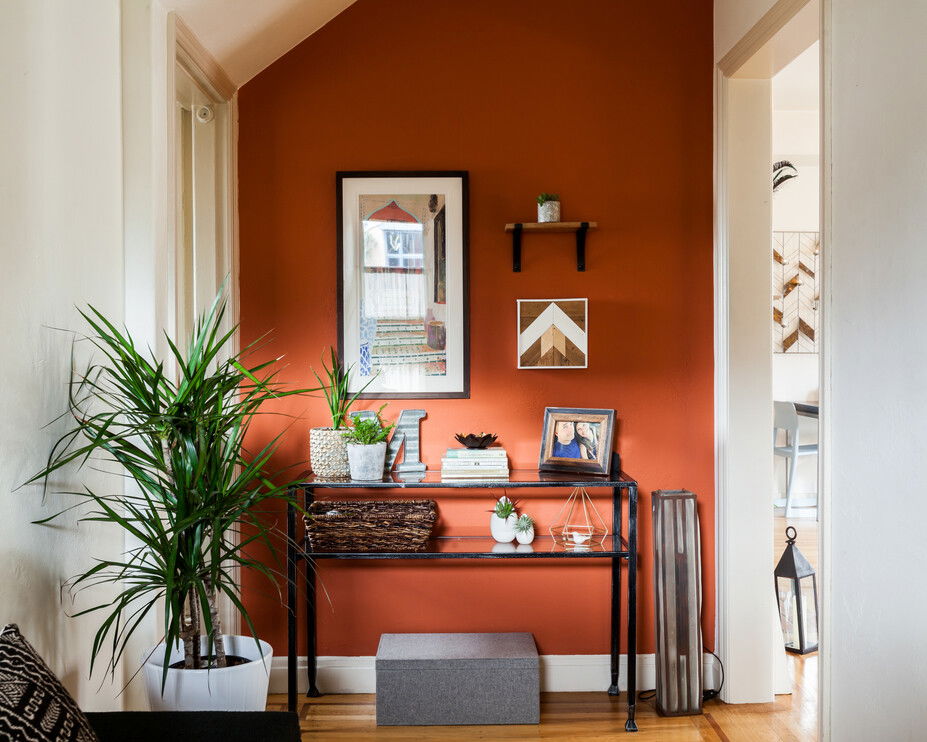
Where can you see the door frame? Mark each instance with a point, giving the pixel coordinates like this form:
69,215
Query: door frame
733,587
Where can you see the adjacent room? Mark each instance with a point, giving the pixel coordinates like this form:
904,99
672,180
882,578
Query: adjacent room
407,370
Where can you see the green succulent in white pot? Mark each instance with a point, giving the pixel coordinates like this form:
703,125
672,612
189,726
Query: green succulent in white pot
524,529
366,445
191,508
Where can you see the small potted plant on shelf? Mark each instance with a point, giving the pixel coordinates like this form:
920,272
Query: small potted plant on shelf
366,445
328,453
524,529
191,511
548,208
502,521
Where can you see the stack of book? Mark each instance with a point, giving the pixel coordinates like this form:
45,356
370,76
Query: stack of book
475,463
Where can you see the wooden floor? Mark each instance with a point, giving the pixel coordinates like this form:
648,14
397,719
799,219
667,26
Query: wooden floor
594,717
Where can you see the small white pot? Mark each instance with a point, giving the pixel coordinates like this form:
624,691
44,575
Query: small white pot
525,537
239,688
503,529
367,461
549,211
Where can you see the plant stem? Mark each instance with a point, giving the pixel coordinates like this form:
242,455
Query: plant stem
218,641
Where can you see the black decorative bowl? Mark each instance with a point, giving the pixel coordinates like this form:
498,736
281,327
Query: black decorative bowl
476,440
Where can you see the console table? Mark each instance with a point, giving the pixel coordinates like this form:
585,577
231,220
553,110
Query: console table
616,547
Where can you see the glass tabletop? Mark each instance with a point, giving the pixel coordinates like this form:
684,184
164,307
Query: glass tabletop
432,479
477,547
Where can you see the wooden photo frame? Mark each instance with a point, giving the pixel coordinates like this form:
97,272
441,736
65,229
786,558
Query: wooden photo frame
403,314
576,439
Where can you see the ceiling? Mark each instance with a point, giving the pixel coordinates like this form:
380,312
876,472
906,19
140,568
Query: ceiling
245,36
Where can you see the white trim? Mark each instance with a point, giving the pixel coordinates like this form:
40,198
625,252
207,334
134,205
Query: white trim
197,60
825,430
559,673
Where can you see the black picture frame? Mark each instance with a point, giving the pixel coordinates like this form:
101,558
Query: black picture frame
340,177
601,440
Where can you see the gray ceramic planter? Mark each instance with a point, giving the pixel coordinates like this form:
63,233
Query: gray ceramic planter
367,462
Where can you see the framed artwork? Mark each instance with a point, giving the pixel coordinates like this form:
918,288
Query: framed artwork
553,333
403,316
577,439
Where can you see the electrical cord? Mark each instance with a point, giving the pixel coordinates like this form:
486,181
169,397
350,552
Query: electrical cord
647,695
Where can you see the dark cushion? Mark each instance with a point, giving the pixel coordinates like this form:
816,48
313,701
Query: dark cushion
202,726
34,706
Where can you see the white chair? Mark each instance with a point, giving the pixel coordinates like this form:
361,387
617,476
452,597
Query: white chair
786,418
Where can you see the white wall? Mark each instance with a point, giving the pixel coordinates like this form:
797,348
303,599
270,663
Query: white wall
61,243
878,378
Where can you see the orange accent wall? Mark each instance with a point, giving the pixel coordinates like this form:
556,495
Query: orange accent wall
608,104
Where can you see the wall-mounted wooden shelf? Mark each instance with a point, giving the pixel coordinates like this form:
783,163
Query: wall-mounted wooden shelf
580,228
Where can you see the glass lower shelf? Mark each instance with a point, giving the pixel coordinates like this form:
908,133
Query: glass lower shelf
471,547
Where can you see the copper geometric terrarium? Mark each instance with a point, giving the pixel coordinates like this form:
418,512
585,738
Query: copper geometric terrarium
579,525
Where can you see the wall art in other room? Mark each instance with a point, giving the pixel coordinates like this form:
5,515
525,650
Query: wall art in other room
577,439
402,283
553,333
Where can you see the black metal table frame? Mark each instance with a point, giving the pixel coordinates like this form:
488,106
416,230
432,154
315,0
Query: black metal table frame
297,554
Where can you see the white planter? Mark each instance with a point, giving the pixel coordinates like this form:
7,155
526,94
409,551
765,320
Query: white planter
549,211
503,530
525,537
367,462
239,688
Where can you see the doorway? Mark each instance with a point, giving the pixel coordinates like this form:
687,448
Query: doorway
748,138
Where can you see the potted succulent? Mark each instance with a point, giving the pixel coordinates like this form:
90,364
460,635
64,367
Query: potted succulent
502,521
328,453
524,529
190,509
366,445
548,208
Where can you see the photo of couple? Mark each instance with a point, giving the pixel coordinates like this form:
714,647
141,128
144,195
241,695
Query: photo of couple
576,440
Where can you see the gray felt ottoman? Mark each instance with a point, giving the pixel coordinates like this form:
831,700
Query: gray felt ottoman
457,679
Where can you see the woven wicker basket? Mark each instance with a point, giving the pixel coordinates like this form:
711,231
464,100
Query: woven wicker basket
370,525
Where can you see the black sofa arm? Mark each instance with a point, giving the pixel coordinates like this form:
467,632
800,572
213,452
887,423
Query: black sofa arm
202,726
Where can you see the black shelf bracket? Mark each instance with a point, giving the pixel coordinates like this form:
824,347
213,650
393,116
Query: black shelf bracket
516,249
518,230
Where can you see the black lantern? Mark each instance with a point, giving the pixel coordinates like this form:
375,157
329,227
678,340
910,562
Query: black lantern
797,596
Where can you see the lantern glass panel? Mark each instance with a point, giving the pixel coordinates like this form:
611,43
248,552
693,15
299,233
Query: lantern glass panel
809,609
788,611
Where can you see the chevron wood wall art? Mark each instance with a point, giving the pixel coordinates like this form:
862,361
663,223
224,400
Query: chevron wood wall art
553,333
796,261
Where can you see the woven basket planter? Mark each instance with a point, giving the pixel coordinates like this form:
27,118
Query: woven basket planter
370,525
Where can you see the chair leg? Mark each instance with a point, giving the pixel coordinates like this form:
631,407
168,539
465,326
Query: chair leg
790,472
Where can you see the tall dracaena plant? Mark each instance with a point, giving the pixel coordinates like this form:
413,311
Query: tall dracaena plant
335,388
193,512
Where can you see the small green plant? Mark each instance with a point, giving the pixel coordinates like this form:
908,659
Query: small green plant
336,389
545,197
524,524
368,430
504,507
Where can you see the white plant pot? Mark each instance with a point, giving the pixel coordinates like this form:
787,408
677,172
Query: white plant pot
503,529
525,537
367,462
239,688
549,211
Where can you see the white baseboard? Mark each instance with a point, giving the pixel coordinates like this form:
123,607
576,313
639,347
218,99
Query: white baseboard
559,673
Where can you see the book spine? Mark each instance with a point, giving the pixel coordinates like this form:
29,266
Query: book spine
473,464
465,453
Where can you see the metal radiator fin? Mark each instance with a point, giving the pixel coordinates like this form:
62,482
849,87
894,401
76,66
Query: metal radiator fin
677,570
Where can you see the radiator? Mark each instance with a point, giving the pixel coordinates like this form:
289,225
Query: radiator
677,571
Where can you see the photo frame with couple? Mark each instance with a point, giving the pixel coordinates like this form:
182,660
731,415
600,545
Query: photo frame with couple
577,439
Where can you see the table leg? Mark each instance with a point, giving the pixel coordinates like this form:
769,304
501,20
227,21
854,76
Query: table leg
291,607
631,725
311,659
616,592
